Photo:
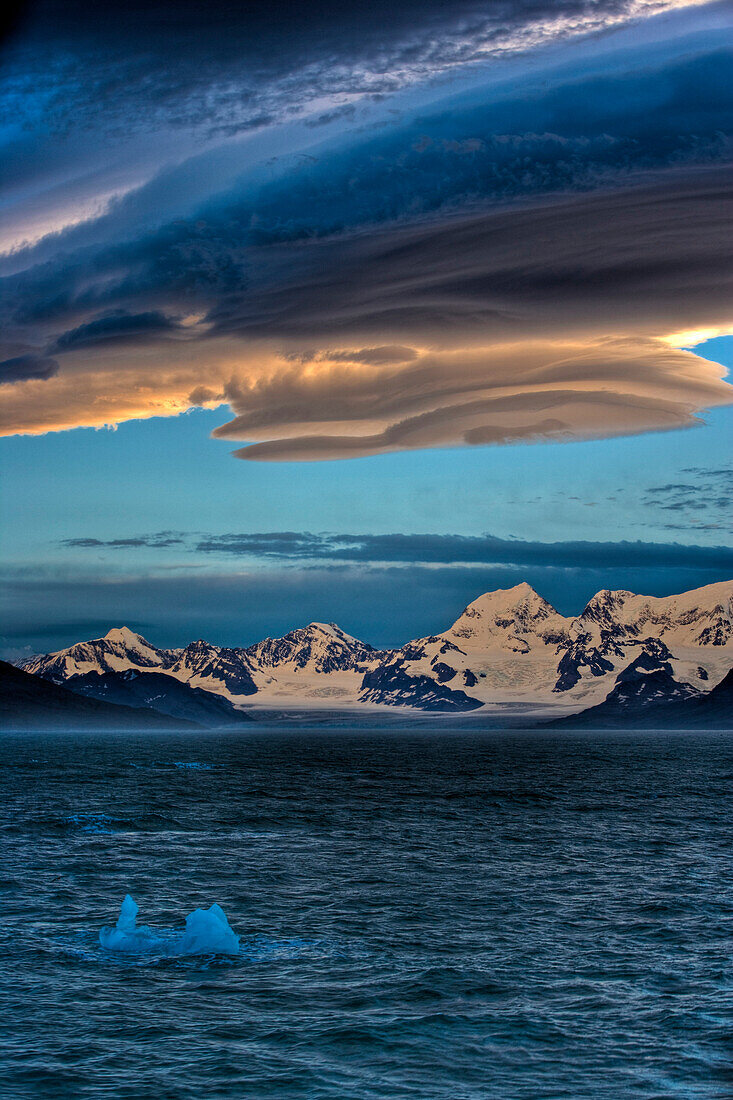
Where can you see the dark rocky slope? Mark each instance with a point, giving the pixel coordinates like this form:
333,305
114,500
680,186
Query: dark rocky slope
30,702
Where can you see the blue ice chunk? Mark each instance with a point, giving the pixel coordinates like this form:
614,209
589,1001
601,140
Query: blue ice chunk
207,933
128,915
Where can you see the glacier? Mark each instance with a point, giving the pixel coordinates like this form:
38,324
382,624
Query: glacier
207,932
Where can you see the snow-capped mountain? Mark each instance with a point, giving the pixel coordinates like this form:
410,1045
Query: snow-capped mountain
227,672
391,684
512,646
646,696
319,662
507,648
321,647
505,645
117,651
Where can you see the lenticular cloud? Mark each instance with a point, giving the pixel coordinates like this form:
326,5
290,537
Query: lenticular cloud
522,392
207,933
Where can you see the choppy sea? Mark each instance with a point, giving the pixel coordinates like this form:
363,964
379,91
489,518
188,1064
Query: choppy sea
433,916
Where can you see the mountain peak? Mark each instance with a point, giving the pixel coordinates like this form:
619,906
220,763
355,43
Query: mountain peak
605,602
518,610
330,629
502,599
607,595
522,591
123,634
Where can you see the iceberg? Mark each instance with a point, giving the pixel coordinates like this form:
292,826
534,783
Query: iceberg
207,932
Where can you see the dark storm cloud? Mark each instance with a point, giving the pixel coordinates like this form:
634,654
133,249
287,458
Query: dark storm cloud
223,64
114,327
162,539
556,130
452,549
22,368
566,131
305,546
580,133
657,255
574,206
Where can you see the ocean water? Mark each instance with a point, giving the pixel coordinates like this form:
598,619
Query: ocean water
455,916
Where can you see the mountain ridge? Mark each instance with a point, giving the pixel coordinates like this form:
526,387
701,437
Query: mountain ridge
159,692
654,700
30,702
506,647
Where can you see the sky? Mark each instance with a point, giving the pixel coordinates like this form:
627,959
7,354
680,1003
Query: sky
350,312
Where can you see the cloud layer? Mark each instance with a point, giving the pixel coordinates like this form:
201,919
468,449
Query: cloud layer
21,368
529,392
498,267
298,547
229,66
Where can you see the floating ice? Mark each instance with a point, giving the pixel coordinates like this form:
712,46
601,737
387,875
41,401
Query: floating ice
207,933
93,822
